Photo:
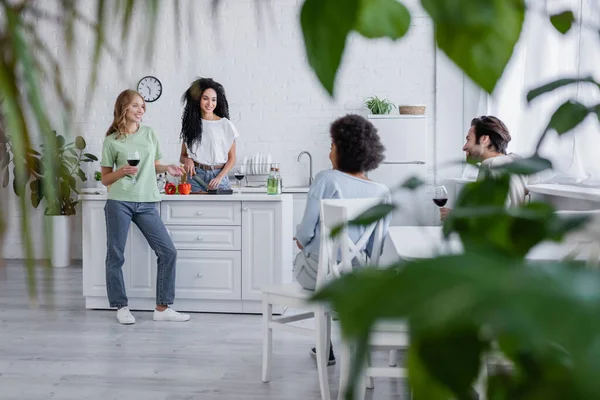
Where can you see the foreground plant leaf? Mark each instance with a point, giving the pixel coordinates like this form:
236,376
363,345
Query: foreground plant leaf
383,18
478,35
325,26
451,293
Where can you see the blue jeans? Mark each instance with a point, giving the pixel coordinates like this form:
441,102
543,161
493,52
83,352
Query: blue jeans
207,176
119,215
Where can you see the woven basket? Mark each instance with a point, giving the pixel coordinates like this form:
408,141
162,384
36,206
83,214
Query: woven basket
412,110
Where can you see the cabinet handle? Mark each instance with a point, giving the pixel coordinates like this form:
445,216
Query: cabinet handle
199,238
199,213
200,275
244,208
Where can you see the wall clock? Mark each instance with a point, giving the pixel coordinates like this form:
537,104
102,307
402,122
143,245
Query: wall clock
150,88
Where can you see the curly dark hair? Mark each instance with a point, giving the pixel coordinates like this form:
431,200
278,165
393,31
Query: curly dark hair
359,148
495,129
191,120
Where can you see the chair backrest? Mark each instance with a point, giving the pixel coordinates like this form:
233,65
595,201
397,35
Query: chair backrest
336,213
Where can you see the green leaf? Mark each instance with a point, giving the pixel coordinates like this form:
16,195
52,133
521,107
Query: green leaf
368,217
32,151
439,350
81,175
526,166
325,26
383,18
36,193
60,141
422,384
478,35
567,117
413,183
91,156
563,21
80,143
549,87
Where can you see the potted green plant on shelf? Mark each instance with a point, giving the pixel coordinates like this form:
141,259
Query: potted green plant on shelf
58,188
379,106
98,179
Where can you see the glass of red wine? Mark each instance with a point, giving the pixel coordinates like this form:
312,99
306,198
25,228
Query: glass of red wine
133,159
440,196
239,174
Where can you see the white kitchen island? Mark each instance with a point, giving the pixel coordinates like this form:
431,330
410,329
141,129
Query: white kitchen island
228,247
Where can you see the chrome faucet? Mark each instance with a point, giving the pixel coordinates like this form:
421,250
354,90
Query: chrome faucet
310,178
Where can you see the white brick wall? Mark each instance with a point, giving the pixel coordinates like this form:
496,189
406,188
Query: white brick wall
275,100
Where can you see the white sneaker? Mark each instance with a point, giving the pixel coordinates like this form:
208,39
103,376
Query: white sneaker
170,315
124,316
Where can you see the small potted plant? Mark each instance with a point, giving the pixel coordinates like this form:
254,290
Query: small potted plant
98,179
379,106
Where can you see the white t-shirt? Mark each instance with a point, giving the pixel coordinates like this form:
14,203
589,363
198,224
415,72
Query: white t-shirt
518,183
217,138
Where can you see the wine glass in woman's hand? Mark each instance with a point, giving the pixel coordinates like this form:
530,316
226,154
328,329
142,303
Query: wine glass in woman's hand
133,159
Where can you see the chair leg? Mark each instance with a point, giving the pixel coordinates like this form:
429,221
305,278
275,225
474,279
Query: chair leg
393,358
345,364
322,350
370,384
267,340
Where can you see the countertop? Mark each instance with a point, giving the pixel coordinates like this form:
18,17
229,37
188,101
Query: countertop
198,197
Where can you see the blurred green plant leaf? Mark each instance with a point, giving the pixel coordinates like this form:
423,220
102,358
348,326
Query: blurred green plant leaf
412,183
438,350
526,166
60,141
383,18
91,156
81,175
80,143
559,83
368,217
563,21
325,26
478,35
567,116
422,384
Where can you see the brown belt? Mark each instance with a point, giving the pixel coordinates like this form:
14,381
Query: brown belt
208,167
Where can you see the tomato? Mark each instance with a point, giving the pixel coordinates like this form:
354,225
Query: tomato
170,188
184,188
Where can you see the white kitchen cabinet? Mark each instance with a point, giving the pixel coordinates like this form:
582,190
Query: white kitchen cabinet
261,224
228,247
209,275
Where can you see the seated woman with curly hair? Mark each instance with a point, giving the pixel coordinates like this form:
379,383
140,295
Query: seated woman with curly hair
355,149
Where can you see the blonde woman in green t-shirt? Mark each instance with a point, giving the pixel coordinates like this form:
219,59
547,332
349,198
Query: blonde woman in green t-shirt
130,161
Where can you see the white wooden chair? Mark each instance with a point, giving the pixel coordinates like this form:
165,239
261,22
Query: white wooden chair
385,335
294,296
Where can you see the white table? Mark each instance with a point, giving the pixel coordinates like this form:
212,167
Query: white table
418,242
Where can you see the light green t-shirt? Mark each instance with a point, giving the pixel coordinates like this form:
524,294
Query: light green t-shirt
114,155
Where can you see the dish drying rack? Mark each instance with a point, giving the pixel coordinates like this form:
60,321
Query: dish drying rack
256,173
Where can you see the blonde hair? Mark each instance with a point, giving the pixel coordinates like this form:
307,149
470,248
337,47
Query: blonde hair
123,102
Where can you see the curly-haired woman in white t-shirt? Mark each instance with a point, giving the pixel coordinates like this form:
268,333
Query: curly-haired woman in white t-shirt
208,136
